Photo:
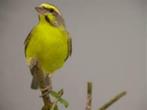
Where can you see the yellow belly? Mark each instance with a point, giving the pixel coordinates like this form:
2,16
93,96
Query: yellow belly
49,46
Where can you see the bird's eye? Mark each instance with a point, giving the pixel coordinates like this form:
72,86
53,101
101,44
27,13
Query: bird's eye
51,10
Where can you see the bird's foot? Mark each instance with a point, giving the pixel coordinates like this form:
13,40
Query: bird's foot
45,91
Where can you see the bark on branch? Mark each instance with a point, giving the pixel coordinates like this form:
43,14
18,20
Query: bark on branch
42,85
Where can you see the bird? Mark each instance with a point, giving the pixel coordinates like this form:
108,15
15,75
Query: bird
49,42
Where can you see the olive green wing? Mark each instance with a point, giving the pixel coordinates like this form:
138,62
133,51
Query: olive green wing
69,44
26,42
34,84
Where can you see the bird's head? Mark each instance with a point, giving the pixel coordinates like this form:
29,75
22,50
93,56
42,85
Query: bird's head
50,14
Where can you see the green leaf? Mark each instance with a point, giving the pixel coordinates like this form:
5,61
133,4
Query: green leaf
54,107
58,95
64,102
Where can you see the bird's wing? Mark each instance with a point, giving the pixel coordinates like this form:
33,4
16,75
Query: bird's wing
69,44
26,42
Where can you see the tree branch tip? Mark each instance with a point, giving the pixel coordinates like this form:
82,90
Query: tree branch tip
113,100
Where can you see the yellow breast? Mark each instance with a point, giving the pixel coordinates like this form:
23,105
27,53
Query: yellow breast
49,46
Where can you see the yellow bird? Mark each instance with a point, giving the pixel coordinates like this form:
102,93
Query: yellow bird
48,42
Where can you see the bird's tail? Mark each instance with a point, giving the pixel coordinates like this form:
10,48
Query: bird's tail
34,69
34,84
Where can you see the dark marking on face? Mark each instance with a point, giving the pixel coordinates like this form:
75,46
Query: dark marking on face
49,21
58,21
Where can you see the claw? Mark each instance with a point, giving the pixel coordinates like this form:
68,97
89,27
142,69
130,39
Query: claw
45,91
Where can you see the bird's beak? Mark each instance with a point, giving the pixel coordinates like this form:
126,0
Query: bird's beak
40,10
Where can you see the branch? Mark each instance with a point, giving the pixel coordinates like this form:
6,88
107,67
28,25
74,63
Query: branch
43,88
89,96
112,101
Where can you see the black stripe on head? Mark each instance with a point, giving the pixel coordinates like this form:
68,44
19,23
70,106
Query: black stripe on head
49,10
